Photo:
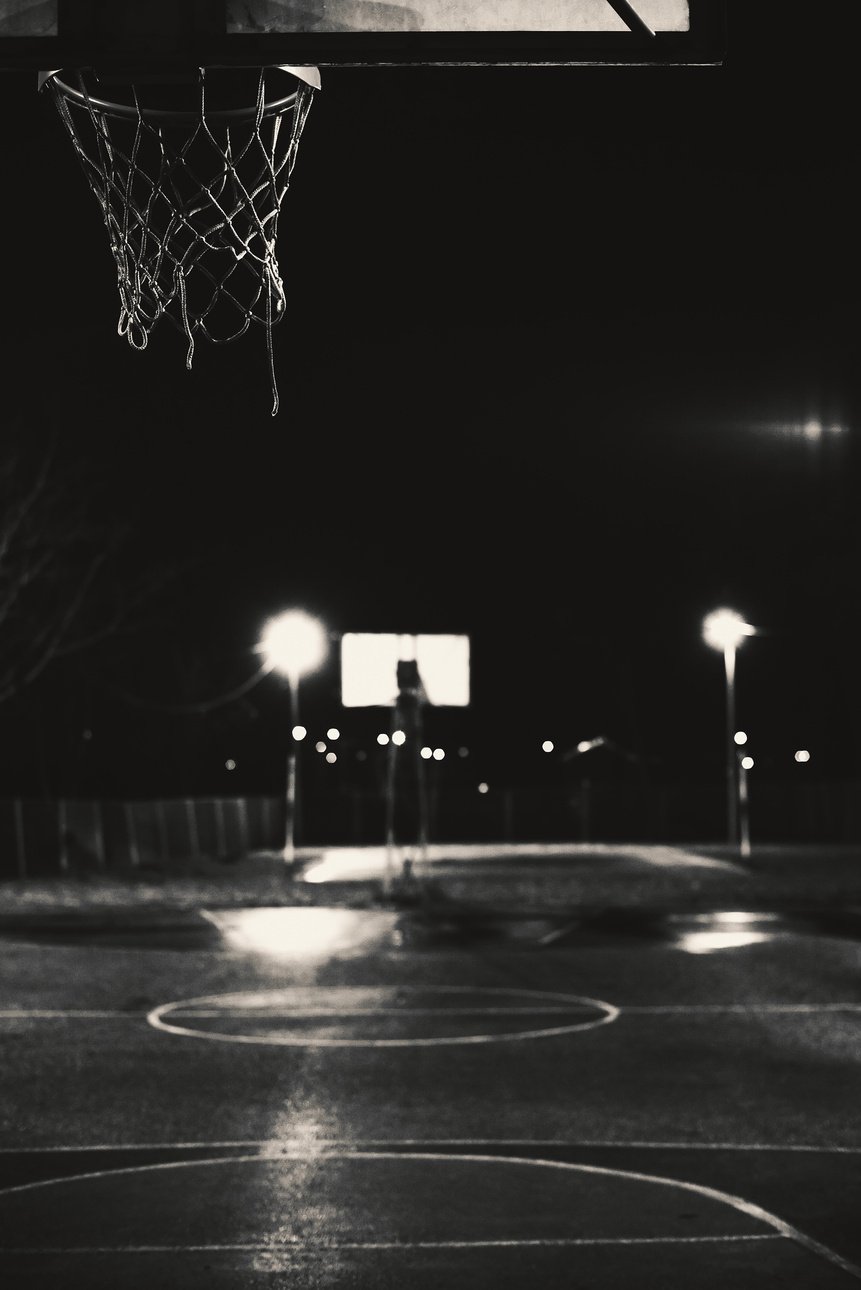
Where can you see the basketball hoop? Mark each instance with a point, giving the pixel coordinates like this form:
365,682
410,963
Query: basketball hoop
190,170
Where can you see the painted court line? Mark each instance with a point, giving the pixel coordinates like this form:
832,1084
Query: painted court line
158,1018
272,1146
622,1009
659,1008
68,1012
303,1246
736,1203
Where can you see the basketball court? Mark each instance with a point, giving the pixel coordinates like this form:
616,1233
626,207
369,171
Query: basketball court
331,1097
315,1094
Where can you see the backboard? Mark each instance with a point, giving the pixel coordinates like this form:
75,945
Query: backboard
81,33
369,668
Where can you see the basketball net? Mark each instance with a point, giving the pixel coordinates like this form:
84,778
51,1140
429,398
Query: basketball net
190,174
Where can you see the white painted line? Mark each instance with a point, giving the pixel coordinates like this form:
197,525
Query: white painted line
67,1012
304,1246
272,1146
606,1013
289,1014
736,1203
657,1009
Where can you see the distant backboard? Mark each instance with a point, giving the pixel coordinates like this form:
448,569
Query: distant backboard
75,33
369,667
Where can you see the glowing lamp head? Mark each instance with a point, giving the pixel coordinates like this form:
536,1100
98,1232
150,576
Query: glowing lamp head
293,643
725,629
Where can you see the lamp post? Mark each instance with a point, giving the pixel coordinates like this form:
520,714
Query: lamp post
725,630
293,644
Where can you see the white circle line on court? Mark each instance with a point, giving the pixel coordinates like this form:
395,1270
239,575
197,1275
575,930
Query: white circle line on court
607,1013
737,1203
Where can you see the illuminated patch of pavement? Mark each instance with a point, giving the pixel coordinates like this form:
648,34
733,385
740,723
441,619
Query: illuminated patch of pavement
319,932
699,932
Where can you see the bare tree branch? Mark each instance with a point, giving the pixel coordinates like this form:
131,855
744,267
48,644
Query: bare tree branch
63,585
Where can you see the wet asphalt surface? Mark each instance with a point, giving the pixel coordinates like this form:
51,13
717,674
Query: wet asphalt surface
334,1097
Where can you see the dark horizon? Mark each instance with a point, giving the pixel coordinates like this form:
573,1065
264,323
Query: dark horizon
554,339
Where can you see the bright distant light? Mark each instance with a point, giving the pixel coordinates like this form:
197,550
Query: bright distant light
802,755
332,733
230,764
398,737
331,758
484,788
547,746
747,763
294,643
382,740
298,733
426,753
438,754
812,430
725,629
320,746
740,737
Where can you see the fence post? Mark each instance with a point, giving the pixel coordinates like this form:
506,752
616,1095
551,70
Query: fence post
220,834
193,835
99,834
134,853
242,809
161,829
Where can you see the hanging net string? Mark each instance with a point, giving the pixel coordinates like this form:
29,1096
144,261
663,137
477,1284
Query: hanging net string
190,193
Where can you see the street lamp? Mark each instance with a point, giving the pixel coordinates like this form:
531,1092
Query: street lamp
725,630
293,644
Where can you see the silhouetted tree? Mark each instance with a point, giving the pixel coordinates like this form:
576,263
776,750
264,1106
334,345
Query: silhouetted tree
64,587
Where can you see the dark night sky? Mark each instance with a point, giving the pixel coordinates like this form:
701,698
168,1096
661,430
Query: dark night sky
553,335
